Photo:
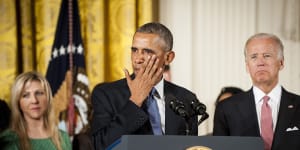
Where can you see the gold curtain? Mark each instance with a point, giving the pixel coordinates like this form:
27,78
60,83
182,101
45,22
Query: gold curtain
27,31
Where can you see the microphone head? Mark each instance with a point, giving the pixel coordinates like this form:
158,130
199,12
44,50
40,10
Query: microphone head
178,107
198,107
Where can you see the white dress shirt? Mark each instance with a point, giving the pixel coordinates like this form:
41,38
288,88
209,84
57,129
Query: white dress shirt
161,102
274,102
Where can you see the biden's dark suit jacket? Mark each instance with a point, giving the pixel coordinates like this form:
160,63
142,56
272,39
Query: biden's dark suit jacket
236,116
115,115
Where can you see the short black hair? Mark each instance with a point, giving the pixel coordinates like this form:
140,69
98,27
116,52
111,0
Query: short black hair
161,30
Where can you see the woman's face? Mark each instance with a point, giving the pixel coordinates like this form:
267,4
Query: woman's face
33,101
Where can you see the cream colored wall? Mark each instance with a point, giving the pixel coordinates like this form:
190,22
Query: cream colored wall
209,37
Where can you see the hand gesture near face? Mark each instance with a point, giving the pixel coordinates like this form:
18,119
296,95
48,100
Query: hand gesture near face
145,79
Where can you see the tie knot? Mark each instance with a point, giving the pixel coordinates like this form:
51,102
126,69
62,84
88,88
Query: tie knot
154,93
266,99
151,98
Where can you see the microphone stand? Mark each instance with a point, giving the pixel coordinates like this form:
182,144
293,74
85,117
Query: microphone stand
199,109
187,127
178,108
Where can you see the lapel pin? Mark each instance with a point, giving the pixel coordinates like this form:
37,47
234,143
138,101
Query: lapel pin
290,106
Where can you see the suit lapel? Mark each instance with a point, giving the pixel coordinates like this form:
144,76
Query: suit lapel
247,108
287,109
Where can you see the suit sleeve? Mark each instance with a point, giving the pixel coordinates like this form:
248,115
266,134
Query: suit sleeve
220,127
114,116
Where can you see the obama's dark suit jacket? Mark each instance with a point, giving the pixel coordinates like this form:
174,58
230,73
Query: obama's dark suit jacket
115,115
236,116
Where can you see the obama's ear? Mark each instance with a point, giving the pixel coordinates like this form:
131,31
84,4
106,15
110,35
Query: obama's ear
170,55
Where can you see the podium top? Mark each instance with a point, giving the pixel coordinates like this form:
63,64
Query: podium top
167,142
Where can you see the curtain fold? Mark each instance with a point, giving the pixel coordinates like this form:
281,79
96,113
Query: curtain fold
8,44
26,25
145,11
27,32
121,26
92,14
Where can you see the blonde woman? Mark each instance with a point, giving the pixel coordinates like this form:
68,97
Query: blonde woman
33,124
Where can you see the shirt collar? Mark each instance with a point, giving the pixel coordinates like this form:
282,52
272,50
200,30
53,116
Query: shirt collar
160,88
275,94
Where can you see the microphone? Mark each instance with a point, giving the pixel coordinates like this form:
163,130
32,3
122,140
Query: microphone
198,107
178,108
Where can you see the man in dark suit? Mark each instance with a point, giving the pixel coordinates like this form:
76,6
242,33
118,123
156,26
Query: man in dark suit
120,107
267,109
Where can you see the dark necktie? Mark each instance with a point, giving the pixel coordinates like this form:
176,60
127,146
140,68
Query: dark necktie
266,123
153,111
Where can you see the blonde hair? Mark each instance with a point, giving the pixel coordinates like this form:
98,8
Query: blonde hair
18,122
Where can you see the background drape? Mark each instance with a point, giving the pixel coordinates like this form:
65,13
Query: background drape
27,29
209,38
